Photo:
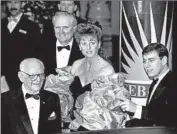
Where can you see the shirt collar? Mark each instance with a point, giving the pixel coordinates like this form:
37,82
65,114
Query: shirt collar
24,90
163,75
70,43
18,17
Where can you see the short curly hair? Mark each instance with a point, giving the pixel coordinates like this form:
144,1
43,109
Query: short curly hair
87,29
158,47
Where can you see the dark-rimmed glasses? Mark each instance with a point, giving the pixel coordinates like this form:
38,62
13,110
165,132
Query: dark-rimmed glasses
34,77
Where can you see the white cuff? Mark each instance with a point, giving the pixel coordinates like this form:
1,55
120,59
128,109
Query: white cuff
138,112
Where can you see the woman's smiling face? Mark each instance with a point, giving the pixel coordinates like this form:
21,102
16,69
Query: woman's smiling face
89,45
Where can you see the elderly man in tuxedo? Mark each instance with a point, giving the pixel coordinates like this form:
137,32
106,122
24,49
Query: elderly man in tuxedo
161,107
62,50
19,37
30,109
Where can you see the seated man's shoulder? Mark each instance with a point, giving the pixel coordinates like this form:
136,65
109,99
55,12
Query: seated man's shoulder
10,95
48,93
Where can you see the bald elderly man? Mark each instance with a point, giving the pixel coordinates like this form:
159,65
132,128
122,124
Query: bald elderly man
30,109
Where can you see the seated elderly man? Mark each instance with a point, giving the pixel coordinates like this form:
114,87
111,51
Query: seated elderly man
30,110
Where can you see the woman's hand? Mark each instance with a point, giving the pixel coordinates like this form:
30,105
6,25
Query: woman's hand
74,125
63,71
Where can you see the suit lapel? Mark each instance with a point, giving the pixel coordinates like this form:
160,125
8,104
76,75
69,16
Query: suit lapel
17,27
54,54
75,53
21,106
160,88
5,24
41,113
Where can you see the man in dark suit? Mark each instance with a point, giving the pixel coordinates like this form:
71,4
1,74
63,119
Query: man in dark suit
20,36
71,7
161,107
30,109
61,50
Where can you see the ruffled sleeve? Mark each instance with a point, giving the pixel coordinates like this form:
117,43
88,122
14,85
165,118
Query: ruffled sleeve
100,108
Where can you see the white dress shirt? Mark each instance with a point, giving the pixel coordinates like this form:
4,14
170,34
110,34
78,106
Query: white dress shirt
33,108
139,108
12,24
62,57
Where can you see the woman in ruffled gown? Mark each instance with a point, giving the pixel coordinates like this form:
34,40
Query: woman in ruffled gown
92,65
95,87
96,97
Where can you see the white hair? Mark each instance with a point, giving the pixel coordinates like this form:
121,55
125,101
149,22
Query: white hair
70,16
26,61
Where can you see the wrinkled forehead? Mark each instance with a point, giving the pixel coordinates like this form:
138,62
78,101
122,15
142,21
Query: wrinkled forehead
67,2
33,67
14,1
63,20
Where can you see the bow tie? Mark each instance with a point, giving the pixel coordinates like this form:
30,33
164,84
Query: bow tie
35,96
61,47
152,85
12,19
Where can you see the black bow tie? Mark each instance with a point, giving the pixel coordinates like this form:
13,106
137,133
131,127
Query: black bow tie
61,47
12,19
35,96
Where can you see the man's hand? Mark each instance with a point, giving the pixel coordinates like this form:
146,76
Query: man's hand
128,105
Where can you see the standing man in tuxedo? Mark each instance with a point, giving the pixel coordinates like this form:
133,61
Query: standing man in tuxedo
20,36
161,107
62,50
30,109
71,7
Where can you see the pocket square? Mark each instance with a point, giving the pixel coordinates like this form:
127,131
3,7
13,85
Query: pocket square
22,31
52,116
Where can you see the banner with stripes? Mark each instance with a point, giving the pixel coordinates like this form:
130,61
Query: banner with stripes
143,22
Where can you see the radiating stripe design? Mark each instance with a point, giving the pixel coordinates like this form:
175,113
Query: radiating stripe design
142,35
153,31
163,36
133,65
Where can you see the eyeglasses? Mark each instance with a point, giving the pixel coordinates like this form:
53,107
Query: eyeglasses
34,77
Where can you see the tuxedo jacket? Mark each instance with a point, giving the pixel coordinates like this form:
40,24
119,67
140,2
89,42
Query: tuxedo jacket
162,109
47,54
17,46
15,118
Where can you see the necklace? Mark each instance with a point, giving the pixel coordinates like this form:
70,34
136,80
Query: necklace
90,71
89,67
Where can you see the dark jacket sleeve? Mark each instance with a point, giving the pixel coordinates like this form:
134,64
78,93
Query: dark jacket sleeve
57,122
5,121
